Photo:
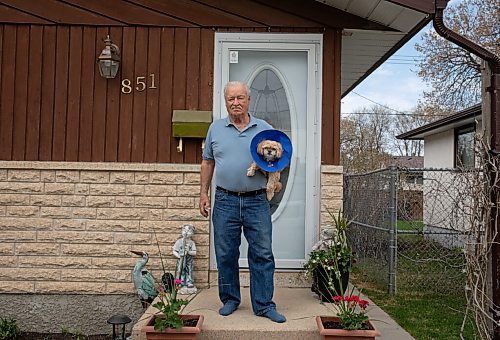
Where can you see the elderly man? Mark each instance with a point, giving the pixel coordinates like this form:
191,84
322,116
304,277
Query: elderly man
240,204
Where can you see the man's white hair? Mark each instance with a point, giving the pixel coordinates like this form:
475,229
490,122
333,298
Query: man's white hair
236,83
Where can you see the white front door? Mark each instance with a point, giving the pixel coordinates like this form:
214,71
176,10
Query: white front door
283,72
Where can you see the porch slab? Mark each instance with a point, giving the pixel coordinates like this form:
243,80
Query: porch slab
299,305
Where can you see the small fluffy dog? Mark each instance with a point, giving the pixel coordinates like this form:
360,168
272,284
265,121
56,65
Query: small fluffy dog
270,151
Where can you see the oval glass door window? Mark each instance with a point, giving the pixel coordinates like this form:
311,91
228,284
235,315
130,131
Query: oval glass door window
269,102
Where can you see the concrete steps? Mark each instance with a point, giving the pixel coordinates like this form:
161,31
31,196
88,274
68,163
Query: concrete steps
299,305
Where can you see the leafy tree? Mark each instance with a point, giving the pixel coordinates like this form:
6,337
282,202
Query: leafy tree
454,73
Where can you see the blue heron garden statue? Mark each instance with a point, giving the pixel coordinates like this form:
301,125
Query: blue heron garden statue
145,283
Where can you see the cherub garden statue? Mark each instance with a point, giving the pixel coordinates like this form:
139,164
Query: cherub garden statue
184,249
327,238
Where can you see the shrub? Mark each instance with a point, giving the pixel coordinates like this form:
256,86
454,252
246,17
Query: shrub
9,330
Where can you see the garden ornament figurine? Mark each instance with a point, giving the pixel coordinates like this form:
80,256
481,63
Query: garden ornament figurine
327,238
184,249
144,282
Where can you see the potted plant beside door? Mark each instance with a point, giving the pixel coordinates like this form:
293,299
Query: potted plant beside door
331,260
350,322
329,265
170,323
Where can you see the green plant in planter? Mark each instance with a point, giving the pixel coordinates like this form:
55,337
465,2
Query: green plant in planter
331,260
9,330
352,311
169,302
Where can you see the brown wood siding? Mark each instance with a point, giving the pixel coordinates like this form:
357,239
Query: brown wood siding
327,135
34,93
330,125
99,109
87,94
7,91
74,87
166,78
54,105
126,101
47,93
151,138
20,92
206,76
337,69
139,103
113,112
60,94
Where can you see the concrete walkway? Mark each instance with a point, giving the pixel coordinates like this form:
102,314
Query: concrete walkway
299,305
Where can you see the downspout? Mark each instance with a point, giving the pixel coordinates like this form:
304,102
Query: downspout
494,64
492,60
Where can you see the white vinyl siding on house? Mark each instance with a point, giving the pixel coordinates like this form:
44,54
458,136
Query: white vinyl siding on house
439,150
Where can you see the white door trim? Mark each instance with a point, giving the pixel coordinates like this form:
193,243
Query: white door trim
313,44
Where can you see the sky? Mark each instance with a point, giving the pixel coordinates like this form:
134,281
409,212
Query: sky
384,84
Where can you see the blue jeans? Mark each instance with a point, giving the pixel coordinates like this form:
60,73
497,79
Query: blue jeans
230,214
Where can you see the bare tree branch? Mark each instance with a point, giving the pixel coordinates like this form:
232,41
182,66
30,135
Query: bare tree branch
452,72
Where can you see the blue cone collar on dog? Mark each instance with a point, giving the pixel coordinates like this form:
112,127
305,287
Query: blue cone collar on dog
277,136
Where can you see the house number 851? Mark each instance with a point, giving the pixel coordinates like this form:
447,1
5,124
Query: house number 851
141,83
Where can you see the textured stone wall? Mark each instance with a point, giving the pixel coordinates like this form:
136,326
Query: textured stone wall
66,231
331,192
69,227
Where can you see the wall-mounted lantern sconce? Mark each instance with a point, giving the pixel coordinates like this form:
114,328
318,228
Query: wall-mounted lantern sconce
109,60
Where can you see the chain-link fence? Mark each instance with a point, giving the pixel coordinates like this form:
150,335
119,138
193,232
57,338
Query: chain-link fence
409,227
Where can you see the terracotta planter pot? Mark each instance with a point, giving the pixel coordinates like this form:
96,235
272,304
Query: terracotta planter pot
342,334
185,333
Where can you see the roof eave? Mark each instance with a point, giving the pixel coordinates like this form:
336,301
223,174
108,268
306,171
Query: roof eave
419,132
424,6
323,14
390,53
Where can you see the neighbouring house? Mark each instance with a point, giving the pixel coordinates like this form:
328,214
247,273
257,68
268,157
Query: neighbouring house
409,162
92,167
448,154
449,142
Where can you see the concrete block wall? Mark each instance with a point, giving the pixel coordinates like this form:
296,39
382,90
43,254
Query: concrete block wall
331,192
66,231
69,227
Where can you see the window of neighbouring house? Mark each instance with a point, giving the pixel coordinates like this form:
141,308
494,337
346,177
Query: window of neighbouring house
464,147
416,178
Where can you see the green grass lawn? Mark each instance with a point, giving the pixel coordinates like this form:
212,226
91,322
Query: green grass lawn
410,225
430,300
425,315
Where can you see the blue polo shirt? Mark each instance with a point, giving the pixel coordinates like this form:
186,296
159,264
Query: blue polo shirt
230,149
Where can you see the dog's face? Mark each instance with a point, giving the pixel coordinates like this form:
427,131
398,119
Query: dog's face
270,150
